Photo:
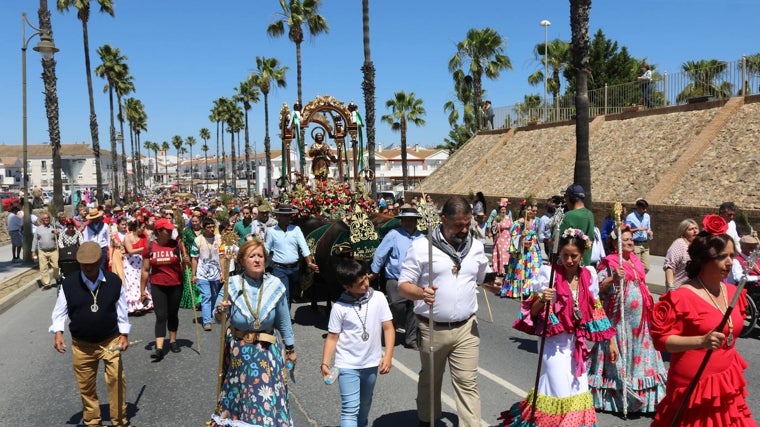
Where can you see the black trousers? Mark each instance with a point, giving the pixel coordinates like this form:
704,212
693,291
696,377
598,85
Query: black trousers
166,306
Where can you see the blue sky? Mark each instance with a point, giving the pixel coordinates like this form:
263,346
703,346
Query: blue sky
184,54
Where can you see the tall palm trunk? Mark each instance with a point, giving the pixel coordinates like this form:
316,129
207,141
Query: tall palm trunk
218,177
247,156
93,116
404,172
114,153
579,13
224,158
233,162
298,71
368,87
267,146
123,150
51,109
136,179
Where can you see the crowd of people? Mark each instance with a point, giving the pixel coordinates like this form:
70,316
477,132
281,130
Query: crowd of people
599,318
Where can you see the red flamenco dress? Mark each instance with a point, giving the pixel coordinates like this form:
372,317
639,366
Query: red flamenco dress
719,397
563,397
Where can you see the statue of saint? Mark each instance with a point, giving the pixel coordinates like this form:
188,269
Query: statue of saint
320,157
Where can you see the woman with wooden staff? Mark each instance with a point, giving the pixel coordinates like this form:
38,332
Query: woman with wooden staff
639,373
684,323
575,316
253,371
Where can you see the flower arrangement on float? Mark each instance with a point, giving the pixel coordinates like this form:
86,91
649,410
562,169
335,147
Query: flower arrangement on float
331,200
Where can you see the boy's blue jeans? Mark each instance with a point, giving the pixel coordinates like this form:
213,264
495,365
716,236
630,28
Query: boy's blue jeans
209,290
356,389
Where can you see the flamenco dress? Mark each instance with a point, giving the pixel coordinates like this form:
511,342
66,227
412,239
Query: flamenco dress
501,245
641,364
719,397
563,395
523,263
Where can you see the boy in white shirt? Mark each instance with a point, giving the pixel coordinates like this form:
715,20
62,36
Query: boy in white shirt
356,322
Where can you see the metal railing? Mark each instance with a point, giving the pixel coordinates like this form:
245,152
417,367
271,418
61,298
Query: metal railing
724,80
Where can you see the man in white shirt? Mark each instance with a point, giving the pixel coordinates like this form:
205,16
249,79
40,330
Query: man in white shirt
459,264
747,244
727,210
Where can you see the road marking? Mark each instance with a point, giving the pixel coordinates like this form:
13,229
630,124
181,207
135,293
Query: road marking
498,380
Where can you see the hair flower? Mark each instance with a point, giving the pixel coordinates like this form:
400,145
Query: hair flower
714,224
570,233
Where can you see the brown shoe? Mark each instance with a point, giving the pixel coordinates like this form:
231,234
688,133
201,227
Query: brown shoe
207,326
47,287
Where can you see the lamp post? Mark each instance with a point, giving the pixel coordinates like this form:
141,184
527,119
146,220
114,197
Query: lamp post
46,48
545,23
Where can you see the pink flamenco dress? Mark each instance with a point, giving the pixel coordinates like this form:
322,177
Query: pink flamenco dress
501,245
718,399
133,264
563,393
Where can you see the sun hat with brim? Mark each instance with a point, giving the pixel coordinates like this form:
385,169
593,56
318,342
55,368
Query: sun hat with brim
407,211
265,208
118,209
284,209
94,214
748,240
89,253
163,223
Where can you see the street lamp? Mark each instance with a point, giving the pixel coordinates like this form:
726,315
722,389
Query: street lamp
47,49
545,23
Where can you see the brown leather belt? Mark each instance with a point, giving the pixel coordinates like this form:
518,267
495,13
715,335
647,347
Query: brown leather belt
254,336
452,325
281,264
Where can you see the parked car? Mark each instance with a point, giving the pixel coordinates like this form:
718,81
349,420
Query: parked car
47,197
9,199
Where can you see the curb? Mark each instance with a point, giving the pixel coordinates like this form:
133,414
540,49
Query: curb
19,294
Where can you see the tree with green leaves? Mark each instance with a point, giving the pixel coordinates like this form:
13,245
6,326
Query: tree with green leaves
177,142
465,99
165,148
155,148
190,141
124,85
608,65
705,76
112,69
205,135
217,116
579,19
405,109
480,54
83,14
247,93
296,14
368,88
556,54
235,124
268,72
135,115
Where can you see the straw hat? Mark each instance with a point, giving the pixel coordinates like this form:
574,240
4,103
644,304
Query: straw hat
94,214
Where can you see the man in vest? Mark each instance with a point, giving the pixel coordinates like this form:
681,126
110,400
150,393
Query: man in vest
96,305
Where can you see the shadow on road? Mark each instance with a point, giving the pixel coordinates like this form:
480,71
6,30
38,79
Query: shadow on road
409,418
527,344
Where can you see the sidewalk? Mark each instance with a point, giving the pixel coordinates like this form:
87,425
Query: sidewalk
9,270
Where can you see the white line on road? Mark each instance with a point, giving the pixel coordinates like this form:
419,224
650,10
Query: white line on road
448,400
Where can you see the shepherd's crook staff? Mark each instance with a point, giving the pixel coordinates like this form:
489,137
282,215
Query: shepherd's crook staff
432,218
749,263
618,210
555,224
229,242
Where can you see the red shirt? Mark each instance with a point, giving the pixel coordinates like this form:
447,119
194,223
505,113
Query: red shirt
165,266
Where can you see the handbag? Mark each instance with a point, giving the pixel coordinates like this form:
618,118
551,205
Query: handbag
68,253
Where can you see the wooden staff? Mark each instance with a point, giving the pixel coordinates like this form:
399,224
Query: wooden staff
555,223
430,217
229,241
618,210
748,265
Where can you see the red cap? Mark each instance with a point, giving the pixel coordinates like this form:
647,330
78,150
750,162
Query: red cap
163,223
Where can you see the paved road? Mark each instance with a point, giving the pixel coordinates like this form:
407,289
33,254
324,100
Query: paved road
38,385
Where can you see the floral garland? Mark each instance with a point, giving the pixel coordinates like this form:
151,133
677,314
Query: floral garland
330,200
574,232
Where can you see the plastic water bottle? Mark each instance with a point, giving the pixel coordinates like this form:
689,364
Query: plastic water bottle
334,371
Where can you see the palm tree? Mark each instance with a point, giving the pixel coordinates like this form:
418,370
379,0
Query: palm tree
165,148
404,108
459,134
704,74
246,94
579,19
139,124
268,71
483,49
83,13
234,125
557,57
205,136
296,13
112,68
753,70
51,109
177,143
190,141
132,111
152,146
368,87
124,85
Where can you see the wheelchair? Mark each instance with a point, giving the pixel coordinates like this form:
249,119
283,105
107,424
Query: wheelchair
753,301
